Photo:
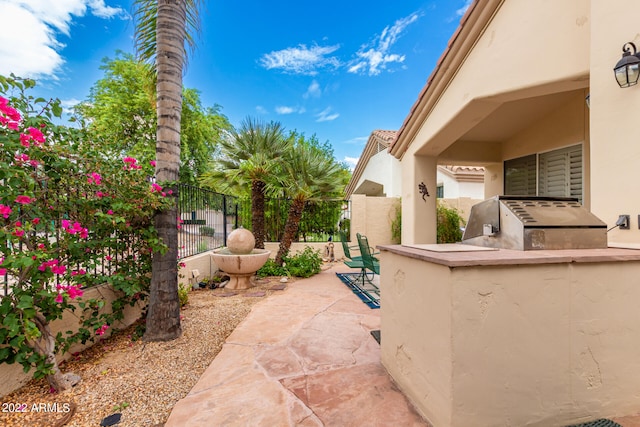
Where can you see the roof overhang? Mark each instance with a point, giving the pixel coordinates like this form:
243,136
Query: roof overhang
472,25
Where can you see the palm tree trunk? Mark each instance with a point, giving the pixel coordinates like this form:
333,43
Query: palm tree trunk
290,228
163,317
257,212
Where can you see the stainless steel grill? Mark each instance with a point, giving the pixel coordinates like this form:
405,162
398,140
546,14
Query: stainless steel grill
529,223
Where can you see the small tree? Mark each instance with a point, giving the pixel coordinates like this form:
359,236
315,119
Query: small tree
309,175
251,157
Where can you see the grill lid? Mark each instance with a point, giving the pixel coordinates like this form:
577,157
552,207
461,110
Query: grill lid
517,222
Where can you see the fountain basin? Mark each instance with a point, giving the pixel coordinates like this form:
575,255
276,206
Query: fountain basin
240,267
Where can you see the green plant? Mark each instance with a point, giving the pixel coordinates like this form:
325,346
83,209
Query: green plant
207,231
120,407
270,268
183,295
396,224
304,264
449,222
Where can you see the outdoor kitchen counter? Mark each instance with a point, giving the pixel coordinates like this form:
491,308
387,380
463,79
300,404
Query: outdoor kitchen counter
479,336
458,255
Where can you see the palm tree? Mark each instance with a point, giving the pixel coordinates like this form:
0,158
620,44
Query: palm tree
309,175
250,157
161,33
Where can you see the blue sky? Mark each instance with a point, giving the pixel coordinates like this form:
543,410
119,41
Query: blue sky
337,69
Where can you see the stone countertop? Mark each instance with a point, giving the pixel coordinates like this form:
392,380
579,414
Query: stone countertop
467,257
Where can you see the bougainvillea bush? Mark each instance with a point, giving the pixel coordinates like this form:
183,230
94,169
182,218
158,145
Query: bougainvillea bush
70,219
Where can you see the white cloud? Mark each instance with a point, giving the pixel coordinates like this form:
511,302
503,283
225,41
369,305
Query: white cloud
326,115
68,104
261,110
359,140
313,90
301,59
29,45
284,109
460,12
375,57
351,162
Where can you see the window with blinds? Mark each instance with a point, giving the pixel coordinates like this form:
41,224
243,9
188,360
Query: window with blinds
555,173
520,176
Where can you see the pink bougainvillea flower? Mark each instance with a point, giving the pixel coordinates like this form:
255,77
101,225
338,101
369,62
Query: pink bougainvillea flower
24,200
59,299
74,292
37,136
108,258
35,221
182,264
58,269
99,194
102,329
78,272
18,224
94,178
9,116
18,233
41,246
155,188
130,160
153,163
24,140
3,271
5,211
20,158
109,212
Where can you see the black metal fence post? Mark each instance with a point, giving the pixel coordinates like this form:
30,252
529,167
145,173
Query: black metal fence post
224,220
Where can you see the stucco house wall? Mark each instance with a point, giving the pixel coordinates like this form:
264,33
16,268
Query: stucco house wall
511,83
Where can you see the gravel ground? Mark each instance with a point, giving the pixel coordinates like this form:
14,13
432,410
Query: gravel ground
142,381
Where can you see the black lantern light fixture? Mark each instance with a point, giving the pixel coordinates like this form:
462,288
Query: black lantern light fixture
627,70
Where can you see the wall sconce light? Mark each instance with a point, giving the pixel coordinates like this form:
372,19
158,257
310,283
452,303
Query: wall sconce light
627,70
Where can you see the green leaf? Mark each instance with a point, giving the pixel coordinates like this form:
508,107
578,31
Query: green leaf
26,301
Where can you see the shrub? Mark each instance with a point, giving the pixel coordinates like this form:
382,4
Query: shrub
183,295
449,223
304,264
207,231
270,268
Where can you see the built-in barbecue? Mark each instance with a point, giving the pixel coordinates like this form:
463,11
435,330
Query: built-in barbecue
530,223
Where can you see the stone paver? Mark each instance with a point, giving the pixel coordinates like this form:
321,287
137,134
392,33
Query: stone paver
302,357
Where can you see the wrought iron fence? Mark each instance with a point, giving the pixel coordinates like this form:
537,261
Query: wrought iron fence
206,219
321,220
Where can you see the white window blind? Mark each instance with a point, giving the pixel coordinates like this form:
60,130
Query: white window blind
557,173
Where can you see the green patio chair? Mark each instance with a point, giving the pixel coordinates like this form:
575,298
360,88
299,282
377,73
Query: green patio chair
347,249
371,265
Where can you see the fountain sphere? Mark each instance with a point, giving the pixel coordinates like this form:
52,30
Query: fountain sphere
239,259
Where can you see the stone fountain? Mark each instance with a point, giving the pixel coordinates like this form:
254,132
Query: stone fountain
240,260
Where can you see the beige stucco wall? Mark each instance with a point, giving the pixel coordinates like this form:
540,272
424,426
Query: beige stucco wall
12,377
539,345
615,145
372,217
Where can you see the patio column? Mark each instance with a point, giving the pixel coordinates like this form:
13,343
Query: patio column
419,199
